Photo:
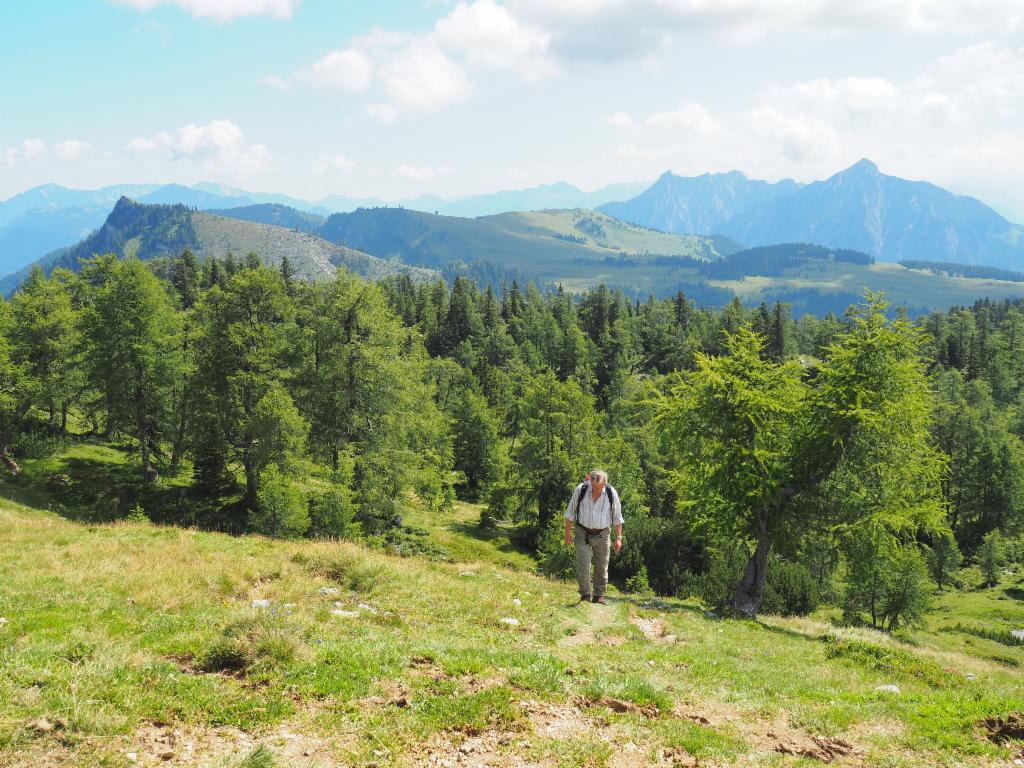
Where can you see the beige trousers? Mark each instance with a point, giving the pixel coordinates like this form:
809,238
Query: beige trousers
594,554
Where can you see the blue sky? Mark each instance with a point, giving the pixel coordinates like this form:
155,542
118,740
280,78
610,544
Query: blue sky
395,99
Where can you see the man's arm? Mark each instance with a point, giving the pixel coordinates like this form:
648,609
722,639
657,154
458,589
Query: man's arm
617,520
570,515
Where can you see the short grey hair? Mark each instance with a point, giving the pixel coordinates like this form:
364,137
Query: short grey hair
598,475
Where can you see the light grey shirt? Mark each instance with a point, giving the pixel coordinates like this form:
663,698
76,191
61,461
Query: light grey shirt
599,514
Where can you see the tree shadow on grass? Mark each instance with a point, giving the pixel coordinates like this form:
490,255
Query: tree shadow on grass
500,537
95,485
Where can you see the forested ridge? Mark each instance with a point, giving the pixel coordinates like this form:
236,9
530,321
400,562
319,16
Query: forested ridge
763,462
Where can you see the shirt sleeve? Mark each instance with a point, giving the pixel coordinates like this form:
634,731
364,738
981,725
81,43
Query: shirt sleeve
570,511
617,509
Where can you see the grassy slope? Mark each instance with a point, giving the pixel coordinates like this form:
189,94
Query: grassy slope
312,256
109,629
525,241
910,287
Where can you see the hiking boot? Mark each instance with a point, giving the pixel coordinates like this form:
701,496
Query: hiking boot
584,599
599,599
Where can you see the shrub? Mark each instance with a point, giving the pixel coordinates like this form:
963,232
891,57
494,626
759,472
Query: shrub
991,557
280,510
332,515
37,443
226,654
555,559
791,589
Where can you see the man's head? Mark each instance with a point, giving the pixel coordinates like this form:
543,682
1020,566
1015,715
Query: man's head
598,477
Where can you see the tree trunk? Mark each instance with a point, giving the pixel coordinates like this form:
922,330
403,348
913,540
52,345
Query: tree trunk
64,418
251,480
746,600
148,471
179,435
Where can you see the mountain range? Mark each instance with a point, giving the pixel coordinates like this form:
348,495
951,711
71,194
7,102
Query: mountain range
44,218
573,248
861,208
150,231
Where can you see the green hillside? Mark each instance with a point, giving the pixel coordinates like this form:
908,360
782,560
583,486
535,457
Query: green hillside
153,231
312,256
553,246
582,249
128,644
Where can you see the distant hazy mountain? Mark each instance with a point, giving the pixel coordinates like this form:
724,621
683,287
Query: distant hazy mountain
35,233
696,204
151,231
560,195
889,217
53,196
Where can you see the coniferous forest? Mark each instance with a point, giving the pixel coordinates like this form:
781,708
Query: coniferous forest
765,463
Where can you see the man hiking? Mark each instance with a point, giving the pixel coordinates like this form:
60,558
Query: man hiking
593,509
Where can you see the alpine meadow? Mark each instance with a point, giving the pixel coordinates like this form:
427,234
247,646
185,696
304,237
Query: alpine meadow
481,440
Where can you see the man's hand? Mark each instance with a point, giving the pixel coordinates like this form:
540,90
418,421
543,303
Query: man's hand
618,545
568,541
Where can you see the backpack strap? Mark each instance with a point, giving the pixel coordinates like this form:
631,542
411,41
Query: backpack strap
579,499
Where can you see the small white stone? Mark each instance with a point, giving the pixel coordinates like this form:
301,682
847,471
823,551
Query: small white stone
464,574
338,604
344,614
132,757
328,590
367,608
970,675
2,621
894,689
517,602
260,603
510,622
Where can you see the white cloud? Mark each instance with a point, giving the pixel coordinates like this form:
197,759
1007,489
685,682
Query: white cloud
422,173
27,150
622,120
801,138
428,71
332,164
276,81
72,149
980,77
223,10
634,28
348,70
422,77
691,118
219,147
848,98
489,35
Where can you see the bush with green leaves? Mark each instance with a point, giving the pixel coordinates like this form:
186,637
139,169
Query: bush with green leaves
281,510
332,515
791,589
554,558
886,580
991,557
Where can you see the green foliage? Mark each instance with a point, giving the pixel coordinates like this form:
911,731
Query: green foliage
944,560
554,559
992,557
332,514
261,757
281,509
889,659
886,580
